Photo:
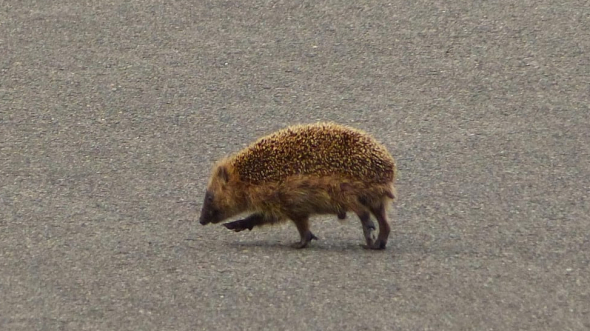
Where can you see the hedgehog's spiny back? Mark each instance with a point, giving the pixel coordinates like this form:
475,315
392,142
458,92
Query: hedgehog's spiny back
317,149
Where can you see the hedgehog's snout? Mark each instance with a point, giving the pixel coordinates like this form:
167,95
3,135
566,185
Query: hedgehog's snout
203,220
208,213
207,216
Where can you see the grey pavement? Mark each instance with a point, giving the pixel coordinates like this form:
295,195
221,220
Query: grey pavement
113,112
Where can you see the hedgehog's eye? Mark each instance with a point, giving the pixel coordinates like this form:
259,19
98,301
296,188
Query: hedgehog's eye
209,197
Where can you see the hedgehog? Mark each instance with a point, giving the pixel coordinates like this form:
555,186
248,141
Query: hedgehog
301,171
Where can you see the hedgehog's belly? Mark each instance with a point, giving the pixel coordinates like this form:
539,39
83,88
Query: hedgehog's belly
311,204
316,195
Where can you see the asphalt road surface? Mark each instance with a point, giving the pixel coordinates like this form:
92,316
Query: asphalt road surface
113,112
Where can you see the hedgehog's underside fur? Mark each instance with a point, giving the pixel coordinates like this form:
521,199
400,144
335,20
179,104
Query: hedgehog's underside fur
304,170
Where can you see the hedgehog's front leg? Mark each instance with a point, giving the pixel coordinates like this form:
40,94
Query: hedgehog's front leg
256,219
302,224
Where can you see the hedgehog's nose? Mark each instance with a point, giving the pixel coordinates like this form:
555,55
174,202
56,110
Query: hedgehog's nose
205,217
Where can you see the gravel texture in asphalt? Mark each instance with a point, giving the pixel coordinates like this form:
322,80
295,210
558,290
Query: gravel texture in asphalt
113,112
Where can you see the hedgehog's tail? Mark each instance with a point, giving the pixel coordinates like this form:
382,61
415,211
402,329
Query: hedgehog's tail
390,192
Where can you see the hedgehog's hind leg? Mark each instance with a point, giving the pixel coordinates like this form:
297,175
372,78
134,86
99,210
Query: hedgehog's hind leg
381,215
302,224
368,227
256,219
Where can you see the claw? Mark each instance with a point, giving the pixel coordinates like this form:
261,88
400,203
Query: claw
305,241
379,244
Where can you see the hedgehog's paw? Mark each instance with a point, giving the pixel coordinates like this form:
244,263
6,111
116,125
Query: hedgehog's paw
305,240
239,225
379,244
369,232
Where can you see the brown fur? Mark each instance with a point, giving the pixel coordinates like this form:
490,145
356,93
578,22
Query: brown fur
300,171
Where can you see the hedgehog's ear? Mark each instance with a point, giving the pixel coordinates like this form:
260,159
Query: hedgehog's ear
222,174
